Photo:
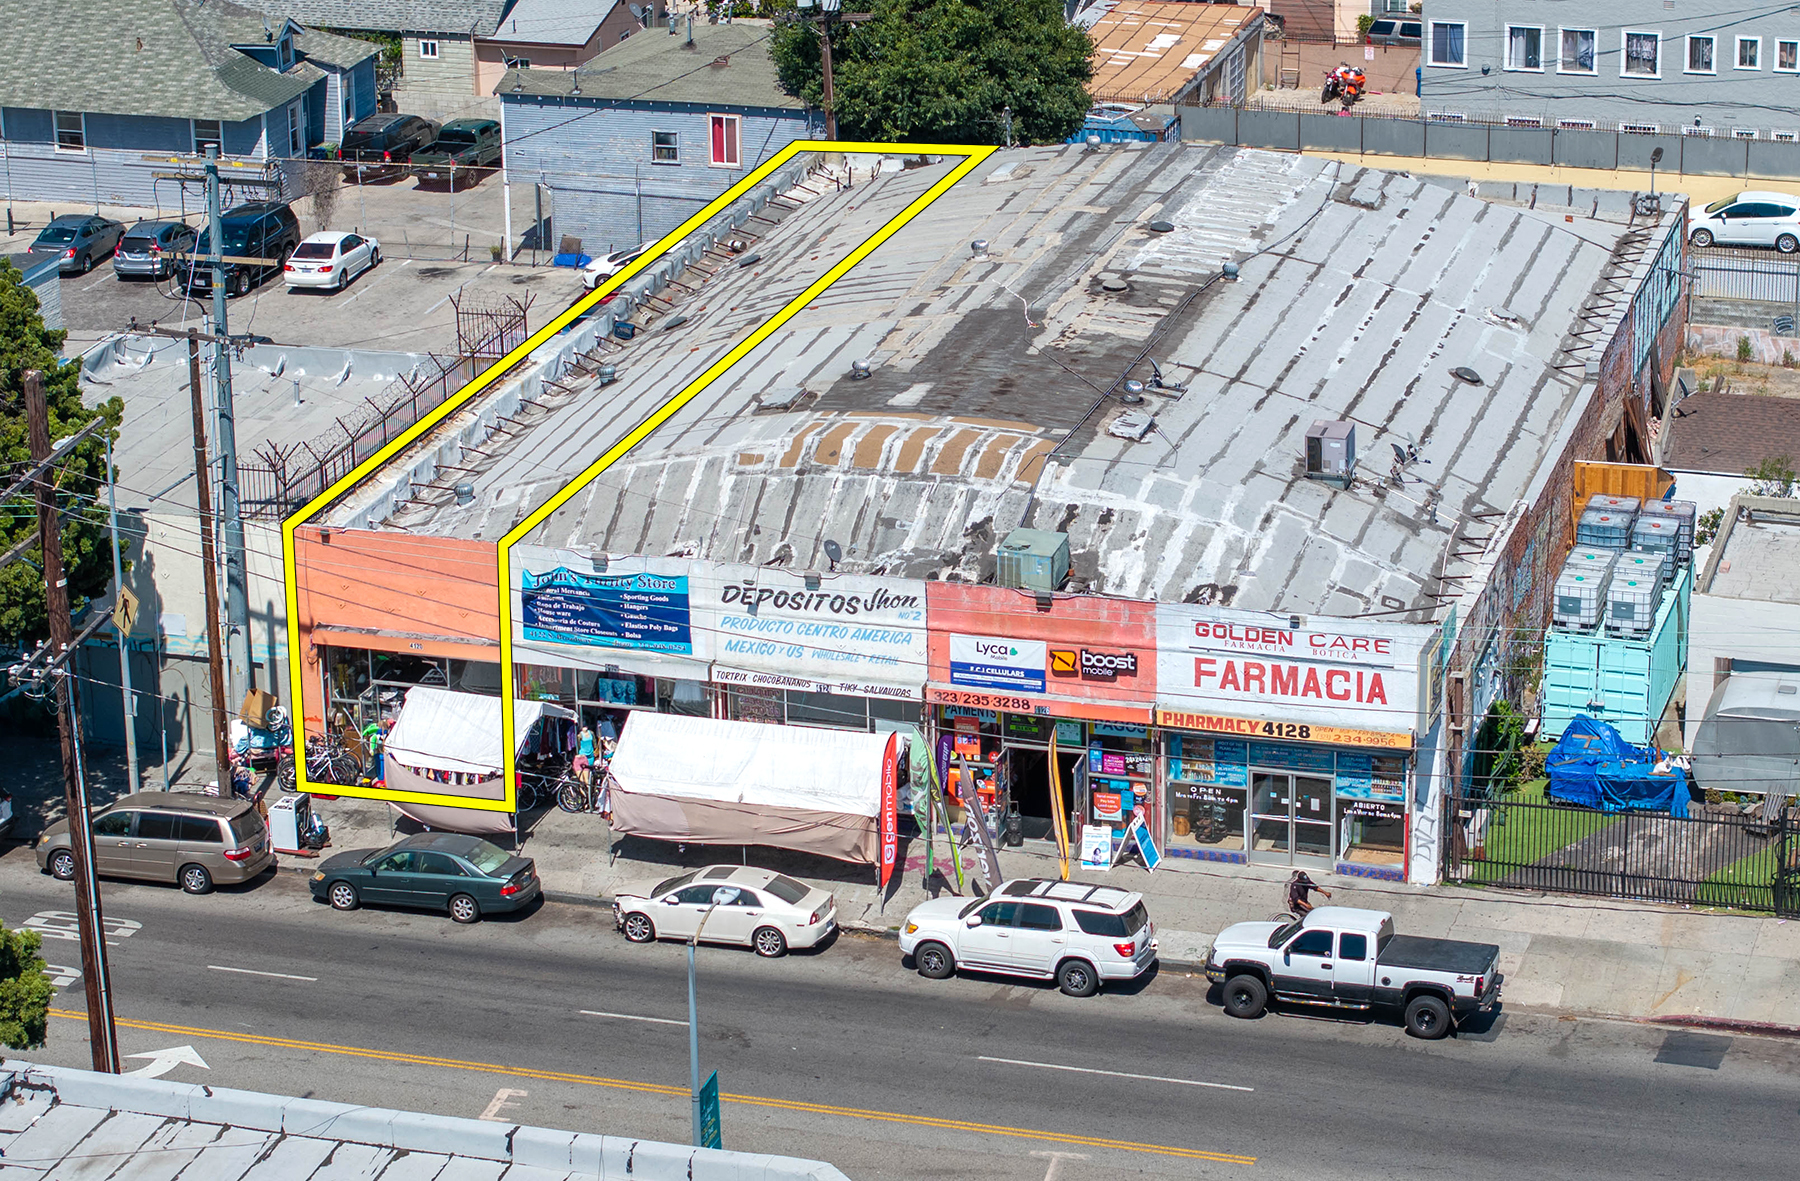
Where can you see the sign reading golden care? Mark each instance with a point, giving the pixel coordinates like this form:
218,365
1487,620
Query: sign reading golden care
1289,673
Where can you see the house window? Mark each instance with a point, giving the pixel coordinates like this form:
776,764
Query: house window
1785,137
1700,55
1524,121
297,130
207,134
1448,117
1743,133
71,131
428,50
664,148
1787,57
1640,128
1576,124
1447,48
624,34
1749,53
1642,58
1698,130
1524,47
1577,55
727,131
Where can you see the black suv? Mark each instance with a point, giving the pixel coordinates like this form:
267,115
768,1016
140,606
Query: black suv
261,229
381,145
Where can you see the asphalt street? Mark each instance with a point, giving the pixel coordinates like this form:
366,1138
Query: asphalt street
551,1018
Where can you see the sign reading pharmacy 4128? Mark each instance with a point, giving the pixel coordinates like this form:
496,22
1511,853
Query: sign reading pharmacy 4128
1343,672
993,662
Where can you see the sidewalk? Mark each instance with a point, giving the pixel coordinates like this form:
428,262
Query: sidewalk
1565,954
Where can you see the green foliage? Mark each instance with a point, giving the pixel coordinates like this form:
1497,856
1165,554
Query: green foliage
1774,476
25,991
944,71
1743,349
1707,527
87,560
1364,23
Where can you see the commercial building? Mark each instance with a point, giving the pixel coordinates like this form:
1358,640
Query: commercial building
1223,478
1625,65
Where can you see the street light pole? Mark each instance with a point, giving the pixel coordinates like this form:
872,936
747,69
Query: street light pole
694,1027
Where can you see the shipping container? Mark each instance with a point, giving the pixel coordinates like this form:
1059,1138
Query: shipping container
1625,681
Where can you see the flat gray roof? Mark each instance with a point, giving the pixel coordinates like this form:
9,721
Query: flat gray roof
1360,291
1760,555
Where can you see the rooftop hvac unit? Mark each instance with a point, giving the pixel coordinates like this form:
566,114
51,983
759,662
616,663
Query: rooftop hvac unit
1331,451
1033,560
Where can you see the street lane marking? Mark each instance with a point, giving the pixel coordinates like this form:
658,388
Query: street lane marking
1149,1078
633,1017
503,1098
794,1105
254,972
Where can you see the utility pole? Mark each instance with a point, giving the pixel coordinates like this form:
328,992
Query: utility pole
130,702
209,568
831,7
1006,118
102,1038
231,526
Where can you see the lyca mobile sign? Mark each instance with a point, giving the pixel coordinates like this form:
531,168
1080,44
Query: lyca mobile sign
1346,673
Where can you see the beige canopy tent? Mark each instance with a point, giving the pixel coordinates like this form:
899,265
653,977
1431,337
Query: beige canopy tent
448,743
712,782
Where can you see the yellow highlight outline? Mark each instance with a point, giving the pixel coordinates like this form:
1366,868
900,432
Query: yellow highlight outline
972,156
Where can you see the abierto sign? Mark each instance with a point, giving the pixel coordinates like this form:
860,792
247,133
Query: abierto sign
1356,674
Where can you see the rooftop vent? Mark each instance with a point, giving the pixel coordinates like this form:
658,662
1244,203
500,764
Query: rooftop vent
1331,452
1033,559
1135,425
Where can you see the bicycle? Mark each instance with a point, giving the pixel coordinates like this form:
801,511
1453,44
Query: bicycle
329,760
575,795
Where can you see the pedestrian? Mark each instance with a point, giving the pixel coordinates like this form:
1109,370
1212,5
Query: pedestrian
584,755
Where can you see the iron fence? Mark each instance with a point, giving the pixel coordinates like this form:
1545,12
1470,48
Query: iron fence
1722,272
1715,856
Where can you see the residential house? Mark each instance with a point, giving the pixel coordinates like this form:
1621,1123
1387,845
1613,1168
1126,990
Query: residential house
554,35
436,75
632,143
1630,65
1160,52
84,101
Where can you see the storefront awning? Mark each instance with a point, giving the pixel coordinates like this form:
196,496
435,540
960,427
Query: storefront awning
441,730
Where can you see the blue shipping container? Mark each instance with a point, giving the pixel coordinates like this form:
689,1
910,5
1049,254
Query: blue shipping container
1626,682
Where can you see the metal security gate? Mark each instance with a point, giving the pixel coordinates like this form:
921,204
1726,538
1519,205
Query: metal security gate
1706,859
1729,273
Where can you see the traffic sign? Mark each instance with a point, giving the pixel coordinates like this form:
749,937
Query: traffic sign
709,1113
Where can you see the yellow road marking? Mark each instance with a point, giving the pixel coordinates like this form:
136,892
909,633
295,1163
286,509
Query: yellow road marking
794,1105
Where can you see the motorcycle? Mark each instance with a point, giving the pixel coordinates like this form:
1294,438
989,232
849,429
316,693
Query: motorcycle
1346,83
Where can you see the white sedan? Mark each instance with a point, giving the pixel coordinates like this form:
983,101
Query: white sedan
330,259
608,265
729,904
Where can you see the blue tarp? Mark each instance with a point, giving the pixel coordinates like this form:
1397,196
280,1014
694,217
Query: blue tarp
1592,765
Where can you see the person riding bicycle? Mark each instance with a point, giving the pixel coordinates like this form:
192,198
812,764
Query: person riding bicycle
1298,887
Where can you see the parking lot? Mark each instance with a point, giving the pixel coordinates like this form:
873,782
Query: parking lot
434,244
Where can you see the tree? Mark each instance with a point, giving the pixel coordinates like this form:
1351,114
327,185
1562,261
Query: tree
25,991
946,71
87,561
1774,476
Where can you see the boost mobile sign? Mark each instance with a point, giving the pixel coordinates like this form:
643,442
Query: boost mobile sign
850,634
1325,671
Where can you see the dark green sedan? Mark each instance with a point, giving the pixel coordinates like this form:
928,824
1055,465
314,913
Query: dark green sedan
466,876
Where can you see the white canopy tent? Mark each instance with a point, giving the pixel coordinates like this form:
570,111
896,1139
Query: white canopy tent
456,735
707,781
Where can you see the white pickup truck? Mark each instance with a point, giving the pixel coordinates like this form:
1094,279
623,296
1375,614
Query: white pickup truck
1342,957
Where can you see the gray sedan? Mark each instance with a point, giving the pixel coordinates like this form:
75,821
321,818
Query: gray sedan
81,239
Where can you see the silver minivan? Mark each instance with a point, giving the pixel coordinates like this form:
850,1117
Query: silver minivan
196,840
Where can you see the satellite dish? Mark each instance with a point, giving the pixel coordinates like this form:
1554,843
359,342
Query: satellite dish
834,552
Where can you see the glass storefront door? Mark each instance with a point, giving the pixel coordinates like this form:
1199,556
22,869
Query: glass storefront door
1290,821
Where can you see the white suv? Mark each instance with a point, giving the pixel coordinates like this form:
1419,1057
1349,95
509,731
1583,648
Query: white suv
1749,219
1070,932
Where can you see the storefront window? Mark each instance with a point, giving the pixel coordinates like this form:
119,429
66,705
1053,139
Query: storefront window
682,697
1120,773
364,687
1208,796
539,682
827,709
1371,803
756,705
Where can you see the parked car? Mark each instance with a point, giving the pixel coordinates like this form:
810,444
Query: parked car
1749,219
330,259
604,268
261,229
81,239
1343,957
149,248
466,876
737,904
1387,31
381,145
1076,934
184,837
463,151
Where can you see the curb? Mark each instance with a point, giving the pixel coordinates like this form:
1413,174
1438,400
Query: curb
1723,1025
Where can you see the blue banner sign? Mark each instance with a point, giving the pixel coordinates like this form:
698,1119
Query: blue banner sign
645,611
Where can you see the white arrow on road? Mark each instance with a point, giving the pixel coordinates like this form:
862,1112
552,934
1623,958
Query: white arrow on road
163,1061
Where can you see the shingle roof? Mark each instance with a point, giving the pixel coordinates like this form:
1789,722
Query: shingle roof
395,16
728,65
554,22
1732,433
169,58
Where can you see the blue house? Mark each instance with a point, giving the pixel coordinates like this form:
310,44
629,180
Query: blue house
87,93
632,143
